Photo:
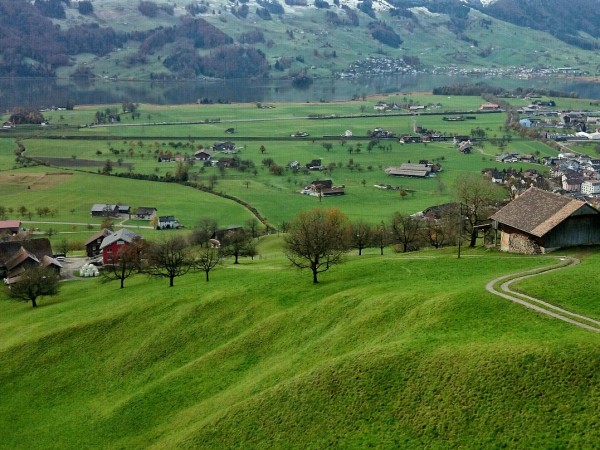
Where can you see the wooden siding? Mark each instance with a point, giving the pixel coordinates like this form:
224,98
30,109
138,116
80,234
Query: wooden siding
576,230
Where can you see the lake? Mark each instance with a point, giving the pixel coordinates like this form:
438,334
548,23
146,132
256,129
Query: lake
56,92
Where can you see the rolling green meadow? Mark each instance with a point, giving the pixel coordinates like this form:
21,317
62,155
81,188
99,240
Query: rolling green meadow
386,351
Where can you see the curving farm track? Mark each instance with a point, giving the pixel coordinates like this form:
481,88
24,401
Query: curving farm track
503,289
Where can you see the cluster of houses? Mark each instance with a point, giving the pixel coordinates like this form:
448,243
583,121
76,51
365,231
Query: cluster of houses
544,114
142,213
575,174
515,180
314,164
16,256
108,244
205,155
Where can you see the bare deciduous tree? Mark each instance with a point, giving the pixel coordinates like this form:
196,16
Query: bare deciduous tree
362,236
34,282
168,259
405,230
381,236
238,243
204,230
478,195
127,262
317,240
206,259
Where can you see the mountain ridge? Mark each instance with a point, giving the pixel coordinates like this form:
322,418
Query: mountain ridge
288,39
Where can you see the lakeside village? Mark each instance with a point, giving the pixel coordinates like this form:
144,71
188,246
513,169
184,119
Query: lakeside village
384,65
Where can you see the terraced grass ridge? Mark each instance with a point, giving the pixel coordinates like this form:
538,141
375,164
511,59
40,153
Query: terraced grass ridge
393,351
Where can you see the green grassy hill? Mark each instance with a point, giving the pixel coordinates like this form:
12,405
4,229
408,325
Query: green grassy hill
390,352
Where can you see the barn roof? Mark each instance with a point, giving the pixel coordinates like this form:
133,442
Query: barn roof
37,247
100,234
536,212
10,224
122,235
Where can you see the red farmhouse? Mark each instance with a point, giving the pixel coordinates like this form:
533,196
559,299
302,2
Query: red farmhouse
114,242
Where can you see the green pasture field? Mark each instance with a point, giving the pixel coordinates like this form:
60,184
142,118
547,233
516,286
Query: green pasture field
393,351
73,198
157,114
587,148
276,197
7,153
575,296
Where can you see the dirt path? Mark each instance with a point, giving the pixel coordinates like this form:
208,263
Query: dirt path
536,304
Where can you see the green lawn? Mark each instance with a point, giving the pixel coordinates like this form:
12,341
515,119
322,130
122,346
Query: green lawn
393,351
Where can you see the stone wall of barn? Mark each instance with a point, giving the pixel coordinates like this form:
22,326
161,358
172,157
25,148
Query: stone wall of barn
518,243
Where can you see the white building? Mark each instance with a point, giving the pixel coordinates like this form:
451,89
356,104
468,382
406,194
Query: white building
590,187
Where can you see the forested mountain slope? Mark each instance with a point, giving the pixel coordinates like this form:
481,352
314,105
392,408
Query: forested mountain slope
291,38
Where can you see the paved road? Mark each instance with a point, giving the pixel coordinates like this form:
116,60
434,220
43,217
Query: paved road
538,305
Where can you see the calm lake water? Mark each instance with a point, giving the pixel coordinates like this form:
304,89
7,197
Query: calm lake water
52,92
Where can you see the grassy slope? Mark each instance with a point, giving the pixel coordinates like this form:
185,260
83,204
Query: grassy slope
74,198
393,351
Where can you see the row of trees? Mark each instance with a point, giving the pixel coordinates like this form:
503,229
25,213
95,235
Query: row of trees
176,256
318,239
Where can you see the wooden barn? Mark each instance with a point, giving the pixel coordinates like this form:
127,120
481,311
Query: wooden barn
539,221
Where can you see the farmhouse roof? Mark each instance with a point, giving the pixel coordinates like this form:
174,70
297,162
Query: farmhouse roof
38,247
19,257
537,211
100,234
145,210
410,170
50,261
9,224
122,235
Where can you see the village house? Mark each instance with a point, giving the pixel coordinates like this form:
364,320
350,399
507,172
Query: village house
226,162
102,209
145,212
10,227
323,188
465,147
105,210
114,242
315,164
167,223
538,221
226,146
18,256
92,245
203,155
590,187
571,181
